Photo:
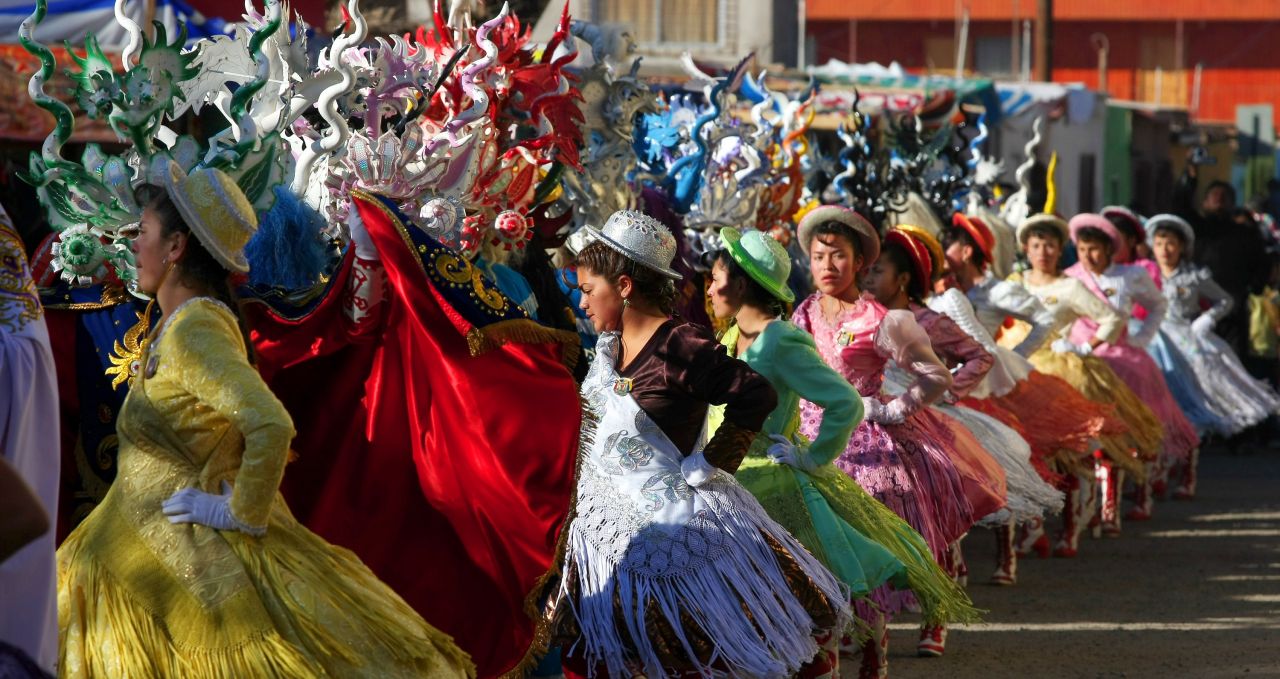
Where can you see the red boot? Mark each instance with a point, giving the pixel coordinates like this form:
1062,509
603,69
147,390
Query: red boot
933,642
1079,508
1144,499
1109,485
1032,540
955,564
875,652
826,663
1186,489
1006,558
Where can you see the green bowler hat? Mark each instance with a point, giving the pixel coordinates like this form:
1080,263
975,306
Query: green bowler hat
763,258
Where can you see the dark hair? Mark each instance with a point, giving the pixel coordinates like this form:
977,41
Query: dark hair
1162,230
612,265
197,269
1125,225
832,227
1226,188
902,261
1092,234
1042,231
955,234
755,295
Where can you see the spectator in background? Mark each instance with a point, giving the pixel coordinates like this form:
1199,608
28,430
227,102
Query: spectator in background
1272,204
1235,254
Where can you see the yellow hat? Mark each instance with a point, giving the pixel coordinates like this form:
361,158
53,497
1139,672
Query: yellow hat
217,212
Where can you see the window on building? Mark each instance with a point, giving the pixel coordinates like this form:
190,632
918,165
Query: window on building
673,22
993,55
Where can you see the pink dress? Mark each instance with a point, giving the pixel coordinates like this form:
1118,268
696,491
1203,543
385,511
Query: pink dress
1124,287
906,466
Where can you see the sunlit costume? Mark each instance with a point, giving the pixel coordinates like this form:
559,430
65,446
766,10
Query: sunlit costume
402,345
1068,300
858,538
1189,324
1191,396
671,567
966,348
263,596
1123,287
901,453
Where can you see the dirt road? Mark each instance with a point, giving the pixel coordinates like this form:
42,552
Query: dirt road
1194,593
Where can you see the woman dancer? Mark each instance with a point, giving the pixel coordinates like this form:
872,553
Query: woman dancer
909,263
901,453
1043,238
1122,287
1030,401
1183,383
1219,370
193,565
671,568
793,477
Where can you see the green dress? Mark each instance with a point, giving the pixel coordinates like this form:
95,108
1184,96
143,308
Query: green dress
860,540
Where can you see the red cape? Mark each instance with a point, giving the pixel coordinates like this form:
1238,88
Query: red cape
442,448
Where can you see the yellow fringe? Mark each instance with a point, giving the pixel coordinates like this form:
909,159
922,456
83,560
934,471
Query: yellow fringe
309,609
523,331
1093,378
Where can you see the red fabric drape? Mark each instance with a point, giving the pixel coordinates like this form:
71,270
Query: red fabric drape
448,473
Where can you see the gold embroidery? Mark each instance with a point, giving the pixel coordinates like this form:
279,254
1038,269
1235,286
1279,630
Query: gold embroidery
492,298
112,295
126,358
19,303
454,268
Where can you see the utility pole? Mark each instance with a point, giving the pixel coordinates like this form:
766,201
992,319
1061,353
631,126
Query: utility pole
1044,40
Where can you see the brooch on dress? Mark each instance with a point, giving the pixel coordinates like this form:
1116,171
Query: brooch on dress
1050,300
153,363
622,386
845,338
1109,292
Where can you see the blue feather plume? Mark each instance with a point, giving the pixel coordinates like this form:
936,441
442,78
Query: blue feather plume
288,251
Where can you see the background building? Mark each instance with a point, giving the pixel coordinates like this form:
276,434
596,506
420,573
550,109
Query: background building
1206,56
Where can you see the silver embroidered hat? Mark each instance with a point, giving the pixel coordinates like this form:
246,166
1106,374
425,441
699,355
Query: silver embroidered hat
643,239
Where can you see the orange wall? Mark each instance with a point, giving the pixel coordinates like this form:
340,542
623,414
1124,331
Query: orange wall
1241,62
981,10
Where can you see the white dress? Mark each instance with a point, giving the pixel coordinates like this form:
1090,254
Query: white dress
1234,391
29,442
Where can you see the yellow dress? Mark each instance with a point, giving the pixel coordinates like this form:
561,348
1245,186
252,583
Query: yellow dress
141,597
1068,299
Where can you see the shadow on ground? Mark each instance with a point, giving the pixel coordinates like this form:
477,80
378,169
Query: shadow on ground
1194,593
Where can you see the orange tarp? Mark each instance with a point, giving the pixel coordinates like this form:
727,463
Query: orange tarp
20,118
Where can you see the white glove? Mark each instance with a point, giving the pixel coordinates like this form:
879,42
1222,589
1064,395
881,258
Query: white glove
1202,326
783,451
360,236
696,470
875,411
191,505
1064,346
